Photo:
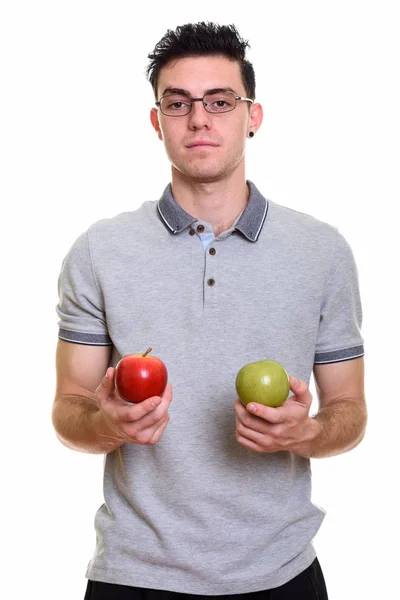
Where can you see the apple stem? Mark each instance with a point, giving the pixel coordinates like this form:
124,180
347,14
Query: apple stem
147,351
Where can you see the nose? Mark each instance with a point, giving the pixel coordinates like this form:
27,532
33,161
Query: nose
199,117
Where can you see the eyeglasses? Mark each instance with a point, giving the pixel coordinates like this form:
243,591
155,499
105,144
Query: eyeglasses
178,105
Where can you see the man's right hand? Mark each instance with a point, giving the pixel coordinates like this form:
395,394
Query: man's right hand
142,423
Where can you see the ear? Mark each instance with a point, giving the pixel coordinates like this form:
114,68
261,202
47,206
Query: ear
255,117
155,122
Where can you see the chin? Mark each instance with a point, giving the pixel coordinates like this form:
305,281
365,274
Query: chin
203,174
205,177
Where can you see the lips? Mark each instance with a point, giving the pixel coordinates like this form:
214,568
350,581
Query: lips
198,143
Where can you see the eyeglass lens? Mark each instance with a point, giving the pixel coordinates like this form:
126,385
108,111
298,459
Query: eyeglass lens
179,104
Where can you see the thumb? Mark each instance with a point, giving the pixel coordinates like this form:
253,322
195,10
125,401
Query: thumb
106,386
300,390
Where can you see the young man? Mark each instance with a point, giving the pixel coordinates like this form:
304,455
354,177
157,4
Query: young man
214,498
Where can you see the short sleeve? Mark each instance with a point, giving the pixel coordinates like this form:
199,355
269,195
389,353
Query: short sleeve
339,333
80,307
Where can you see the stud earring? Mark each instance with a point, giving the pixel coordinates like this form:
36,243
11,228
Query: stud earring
251,134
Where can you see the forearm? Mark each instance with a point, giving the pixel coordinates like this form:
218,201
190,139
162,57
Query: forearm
335,429
81,426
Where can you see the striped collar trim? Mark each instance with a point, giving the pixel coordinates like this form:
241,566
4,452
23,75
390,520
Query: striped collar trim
250,223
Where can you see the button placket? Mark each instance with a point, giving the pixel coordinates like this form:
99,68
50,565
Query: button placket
211,276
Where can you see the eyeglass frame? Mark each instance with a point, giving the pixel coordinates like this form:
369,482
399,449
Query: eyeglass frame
158,103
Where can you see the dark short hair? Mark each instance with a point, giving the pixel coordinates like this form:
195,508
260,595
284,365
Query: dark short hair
201,39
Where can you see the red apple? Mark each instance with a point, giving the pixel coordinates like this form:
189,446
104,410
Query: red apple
140,376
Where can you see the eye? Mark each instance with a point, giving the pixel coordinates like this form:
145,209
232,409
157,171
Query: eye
175,103
178,104
221,101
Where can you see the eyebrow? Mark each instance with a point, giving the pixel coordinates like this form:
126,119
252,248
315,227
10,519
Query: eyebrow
173,90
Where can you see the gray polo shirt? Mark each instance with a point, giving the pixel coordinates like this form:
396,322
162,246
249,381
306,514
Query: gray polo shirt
197,512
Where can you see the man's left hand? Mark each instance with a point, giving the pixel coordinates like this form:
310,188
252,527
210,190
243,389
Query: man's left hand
273,429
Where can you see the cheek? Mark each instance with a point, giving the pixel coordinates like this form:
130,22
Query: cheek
172,138
236,132
235,139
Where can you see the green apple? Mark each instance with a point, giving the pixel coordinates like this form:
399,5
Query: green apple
264,381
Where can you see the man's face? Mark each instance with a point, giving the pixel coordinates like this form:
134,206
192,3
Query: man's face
226,131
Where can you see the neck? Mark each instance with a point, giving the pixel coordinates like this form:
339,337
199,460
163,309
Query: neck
216,202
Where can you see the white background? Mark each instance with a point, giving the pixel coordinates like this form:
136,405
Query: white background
77,146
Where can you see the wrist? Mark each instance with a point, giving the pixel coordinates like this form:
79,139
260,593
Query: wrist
311,436
108,436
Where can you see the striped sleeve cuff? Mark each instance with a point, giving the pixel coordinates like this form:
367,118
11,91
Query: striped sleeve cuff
322,358
90,339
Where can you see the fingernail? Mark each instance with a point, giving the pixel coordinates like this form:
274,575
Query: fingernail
295,381
252,408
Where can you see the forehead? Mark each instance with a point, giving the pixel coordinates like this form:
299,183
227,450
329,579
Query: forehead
201,73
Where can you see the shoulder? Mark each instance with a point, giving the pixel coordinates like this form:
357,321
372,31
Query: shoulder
122,224
296,233
305,226
106,236
316,241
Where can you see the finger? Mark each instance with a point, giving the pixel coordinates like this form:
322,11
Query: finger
160,430
118,411
152,419
148,412
167,394
251,445
267,413
239,408
252,425
279,414
136,412
255,442
142,409
258,431
138,433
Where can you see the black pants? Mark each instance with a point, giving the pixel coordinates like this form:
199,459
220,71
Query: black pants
308,585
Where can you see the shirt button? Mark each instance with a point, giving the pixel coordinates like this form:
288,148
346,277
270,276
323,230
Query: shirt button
192,232
200,228
211,281
212,251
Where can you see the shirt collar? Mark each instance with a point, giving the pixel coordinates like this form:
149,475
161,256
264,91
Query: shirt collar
250,223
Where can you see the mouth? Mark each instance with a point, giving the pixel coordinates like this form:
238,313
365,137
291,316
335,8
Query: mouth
202,143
